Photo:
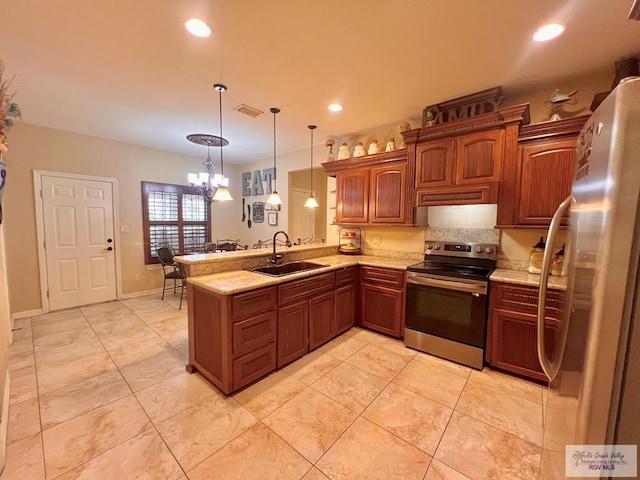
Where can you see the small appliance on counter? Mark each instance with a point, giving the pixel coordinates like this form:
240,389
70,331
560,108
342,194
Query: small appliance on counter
535,256
350,240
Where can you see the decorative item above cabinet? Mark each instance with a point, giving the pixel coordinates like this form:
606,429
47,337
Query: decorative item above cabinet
460,163
542,174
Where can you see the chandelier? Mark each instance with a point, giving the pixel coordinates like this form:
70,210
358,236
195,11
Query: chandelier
212,186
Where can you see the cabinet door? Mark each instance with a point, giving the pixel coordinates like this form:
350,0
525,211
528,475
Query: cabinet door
382,309
435,164
346,308
293,334
321,314
352,196
387,197
514,342
479,157
546,175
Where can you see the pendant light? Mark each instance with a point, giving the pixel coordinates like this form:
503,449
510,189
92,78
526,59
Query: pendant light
311,201
274,198
222,192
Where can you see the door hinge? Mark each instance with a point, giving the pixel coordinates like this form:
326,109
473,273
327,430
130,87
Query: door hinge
44,244
40,193
47,293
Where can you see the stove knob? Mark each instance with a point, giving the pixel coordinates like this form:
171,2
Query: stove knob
437,247
429,246
479,249
488,250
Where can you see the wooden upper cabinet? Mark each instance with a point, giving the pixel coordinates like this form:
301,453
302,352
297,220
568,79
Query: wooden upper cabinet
374,189
353,196
479,157
540,176
435,164
387,194
547,170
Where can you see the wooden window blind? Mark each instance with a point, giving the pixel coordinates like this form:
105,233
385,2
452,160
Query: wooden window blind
172,215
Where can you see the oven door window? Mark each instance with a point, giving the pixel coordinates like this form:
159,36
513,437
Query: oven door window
448,314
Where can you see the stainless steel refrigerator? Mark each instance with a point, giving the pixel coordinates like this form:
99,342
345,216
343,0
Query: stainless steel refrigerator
594,362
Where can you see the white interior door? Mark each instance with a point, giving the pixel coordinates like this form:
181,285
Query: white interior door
304,219
79,241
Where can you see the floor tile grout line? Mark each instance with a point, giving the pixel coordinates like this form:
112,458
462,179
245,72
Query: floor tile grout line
151,424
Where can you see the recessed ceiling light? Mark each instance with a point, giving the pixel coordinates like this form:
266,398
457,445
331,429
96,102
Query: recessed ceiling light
335,107
198,28
548,32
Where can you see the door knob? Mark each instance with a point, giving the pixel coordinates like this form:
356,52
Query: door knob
109,240
109,248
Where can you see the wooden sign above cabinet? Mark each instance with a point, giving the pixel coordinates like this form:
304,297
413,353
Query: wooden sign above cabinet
460,108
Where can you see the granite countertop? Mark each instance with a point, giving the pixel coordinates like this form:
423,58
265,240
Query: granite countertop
199,258
522,277
228,283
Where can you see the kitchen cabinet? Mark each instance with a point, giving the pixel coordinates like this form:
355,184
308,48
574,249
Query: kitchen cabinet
373,190
382,303
352,188
321,319
542,175
232,339
512,330
346,301
293,332
305,315
386,193
465,160
461,163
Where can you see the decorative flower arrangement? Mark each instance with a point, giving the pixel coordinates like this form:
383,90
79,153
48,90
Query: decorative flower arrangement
9,110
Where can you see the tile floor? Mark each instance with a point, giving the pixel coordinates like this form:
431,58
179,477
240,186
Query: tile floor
100,392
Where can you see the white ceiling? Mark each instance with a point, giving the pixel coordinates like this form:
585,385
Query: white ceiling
128,70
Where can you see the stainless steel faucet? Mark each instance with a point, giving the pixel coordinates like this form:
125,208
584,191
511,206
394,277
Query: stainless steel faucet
277,258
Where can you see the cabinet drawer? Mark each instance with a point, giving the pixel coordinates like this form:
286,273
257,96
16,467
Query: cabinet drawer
254,332
254,365
524,299
346,276
251,303
305,288
383,276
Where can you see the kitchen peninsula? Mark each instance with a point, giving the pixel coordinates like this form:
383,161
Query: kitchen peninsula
244,325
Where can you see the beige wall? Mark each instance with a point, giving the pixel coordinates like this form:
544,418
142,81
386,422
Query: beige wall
536,95
286,163
39,148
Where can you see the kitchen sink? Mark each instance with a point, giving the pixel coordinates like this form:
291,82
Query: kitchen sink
288,268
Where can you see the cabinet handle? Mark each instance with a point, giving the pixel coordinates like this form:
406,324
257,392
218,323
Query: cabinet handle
550,370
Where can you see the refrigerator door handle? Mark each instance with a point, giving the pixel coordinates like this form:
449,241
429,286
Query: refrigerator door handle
549,370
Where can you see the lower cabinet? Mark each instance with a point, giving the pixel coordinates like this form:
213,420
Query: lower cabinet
383,300
512,338
293,321
232,338
321,313
346,301
305,315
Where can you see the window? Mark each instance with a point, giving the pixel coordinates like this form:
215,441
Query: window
173,215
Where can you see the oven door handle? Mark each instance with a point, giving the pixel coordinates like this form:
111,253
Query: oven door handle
417,279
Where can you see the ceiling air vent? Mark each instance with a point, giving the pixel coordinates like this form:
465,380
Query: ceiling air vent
247,110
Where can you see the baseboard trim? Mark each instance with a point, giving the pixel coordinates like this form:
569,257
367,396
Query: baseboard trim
144,293
4,421
26,313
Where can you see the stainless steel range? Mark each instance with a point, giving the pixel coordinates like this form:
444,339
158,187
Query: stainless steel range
446,309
